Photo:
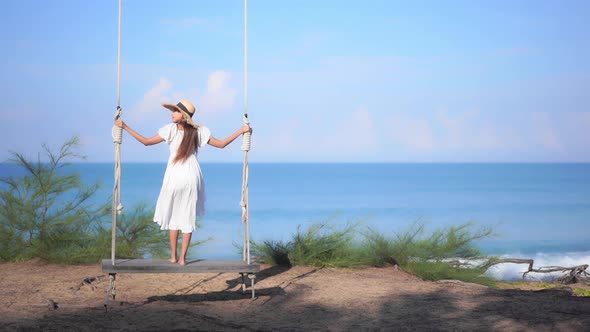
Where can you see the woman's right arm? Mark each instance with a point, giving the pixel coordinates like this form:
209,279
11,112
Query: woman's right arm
145,141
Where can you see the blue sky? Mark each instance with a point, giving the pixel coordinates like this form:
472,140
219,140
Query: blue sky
329,81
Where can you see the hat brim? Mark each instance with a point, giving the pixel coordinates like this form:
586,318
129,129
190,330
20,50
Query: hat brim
187,117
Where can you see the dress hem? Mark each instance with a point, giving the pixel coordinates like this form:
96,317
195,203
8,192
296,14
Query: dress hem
167,228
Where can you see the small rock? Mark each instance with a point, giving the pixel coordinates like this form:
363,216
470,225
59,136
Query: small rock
52,305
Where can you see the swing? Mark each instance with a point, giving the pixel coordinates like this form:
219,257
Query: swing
244,266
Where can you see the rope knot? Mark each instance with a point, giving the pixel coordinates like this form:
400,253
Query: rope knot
247,137
246,141
117,132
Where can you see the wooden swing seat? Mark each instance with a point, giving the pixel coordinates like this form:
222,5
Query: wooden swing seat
164,266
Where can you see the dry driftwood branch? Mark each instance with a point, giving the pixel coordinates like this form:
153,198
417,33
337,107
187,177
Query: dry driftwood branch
508,260
577,274
574,274
458,264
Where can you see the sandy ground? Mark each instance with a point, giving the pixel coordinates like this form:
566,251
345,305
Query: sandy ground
48,297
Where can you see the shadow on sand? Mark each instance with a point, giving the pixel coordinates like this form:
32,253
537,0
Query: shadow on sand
441,310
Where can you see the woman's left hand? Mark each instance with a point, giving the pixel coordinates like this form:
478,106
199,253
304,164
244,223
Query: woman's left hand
120,124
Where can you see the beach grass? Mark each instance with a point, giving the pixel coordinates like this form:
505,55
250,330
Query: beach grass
431,256
271,252
320,245
581,292
324,245
444,271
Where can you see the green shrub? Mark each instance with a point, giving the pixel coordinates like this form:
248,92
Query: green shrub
323,245
427,256
320,245
137,235
402,247
398,248
35,219
378,250
444,271
272,252
452,242
47,213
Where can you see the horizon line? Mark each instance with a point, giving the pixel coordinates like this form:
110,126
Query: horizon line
330,162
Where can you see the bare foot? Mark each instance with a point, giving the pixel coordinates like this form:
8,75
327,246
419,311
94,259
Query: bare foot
182,262
172,260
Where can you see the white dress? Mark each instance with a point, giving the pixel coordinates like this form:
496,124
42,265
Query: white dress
182,197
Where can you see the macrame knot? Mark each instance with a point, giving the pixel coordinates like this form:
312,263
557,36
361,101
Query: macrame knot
117,132
247,137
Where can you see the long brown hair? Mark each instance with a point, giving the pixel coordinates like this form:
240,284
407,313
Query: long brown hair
189,144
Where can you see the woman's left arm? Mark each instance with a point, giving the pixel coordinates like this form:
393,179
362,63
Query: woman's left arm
223,143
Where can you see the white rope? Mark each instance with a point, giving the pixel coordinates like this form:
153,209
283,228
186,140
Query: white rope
246,144
119,55
117,133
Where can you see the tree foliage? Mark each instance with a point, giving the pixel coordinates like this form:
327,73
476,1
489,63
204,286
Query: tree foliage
48,213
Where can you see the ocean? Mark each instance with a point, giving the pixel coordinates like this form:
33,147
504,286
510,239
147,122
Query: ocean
539,211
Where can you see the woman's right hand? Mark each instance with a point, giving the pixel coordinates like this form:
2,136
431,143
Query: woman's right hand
120,124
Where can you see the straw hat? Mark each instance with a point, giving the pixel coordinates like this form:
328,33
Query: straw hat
186,108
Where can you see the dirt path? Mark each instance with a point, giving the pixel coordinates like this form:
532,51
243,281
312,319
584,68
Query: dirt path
38,296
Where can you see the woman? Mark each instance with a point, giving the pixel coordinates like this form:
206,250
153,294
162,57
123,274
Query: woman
182,197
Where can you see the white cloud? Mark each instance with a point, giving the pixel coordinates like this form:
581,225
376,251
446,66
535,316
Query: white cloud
350,137
154,97
471,130
347,137
284,142
410,131
148,109
439,135
579,126
362,129
219,95
545,133
474,134
365,133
